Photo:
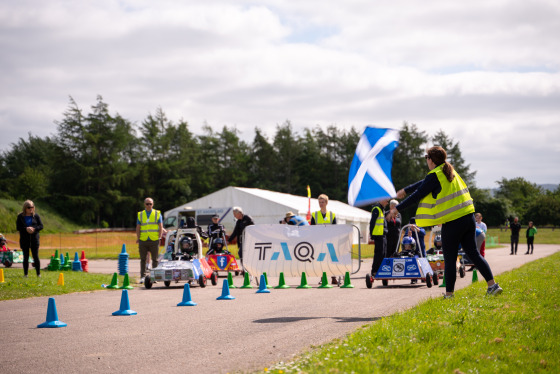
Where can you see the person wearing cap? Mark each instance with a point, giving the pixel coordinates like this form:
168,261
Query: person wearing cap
292,219
215,229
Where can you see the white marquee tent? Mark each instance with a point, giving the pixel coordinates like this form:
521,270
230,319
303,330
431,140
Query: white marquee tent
270,207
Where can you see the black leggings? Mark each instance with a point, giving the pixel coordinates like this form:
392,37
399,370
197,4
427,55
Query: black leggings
461,231
36,261
530,241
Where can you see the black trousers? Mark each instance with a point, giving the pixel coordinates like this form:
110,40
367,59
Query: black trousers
530,241
461,231
514,243
35,254
379,253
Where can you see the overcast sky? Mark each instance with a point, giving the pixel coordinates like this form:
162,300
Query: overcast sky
486,72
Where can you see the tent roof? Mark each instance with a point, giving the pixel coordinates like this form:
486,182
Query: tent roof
277,201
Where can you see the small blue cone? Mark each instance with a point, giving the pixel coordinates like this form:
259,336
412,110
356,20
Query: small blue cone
262,285
225,292
52,316
187,299
125,306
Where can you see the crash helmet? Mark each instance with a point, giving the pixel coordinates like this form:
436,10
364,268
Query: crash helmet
437,241
408,243
186,244
218,244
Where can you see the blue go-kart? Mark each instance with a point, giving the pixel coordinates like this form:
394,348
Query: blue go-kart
406,262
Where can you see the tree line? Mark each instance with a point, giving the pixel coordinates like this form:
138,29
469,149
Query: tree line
98,167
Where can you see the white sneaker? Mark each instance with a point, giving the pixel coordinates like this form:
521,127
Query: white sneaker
141,281
494,290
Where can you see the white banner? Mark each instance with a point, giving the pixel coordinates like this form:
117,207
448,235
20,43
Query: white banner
295,249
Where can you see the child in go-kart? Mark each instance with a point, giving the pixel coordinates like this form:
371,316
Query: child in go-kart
217,247
409,249
3,246
437,246
188,250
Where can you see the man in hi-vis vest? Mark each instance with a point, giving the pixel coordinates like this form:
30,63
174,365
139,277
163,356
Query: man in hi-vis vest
149,228
378,233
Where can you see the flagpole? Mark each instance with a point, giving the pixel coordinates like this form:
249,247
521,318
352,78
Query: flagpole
308,204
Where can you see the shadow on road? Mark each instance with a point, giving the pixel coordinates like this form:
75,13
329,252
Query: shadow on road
297,319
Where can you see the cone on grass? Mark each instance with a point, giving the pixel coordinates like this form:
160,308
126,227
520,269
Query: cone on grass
187,299
303,283
474,276
347,283
114,282
52,317
60,280
230,280
225,292
282,283
443,283
262,285
246,281
324,281
124,309
126,283
1,275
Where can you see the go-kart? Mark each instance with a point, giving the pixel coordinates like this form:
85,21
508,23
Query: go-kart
404,264
10,257
182,261
218,256
435,254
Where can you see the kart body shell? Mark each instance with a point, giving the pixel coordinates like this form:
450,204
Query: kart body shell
221,261
175,266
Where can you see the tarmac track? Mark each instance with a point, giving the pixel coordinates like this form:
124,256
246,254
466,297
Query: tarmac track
248,333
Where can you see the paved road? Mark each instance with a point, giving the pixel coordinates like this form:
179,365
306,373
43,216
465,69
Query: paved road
251,332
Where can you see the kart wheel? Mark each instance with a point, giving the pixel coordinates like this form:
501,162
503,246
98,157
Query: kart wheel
7,263
385,282
369,281
429,281
167,283
202,280
462,271
236,273
435,279
214,278
148,282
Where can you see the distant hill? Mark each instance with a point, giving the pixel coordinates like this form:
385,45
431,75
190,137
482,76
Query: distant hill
546,187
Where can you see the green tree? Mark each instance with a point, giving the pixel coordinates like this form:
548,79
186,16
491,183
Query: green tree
520,193
287,151
454,156
263,160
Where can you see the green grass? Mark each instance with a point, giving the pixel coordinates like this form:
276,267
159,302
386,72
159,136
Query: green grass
15,286
518,331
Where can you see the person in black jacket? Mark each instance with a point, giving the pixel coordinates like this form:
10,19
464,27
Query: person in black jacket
28,223
243,221
393,230
515,227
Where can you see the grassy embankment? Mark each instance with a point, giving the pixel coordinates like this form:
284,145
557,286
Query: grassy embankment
515,332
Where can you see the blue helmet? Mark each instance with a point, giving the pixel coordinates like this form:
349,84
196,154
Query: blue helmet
437,241
408,243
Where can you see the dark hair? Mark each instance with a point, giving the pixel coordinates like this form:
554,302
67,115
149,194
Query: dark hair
438,156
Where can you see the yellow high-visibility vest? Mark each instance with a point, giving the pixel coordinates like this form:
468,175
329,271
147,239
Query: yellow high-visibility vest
149,226
454,201
379,222
319,220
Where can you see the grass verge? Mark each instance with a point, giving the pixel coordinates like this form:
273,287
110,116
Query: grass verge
518,331
15,286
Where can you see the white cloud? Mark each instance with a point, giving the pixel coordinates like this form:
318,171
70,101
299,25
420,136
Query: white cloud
488,73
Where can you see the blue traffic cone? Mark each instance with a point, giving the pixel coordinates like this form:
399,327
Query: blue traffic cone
52,316
262,285
76,264
187,299
225,292
124,310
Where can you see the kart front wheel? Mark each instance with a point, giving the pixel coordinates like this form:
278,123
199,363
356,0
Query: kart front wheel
202,280
214,278
385,282
462,271
435,279
167,283
7,263
369,281
429,281
148,282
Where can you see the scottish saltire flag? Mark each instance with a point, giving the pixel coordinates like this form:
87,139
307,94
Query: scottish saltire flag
370,179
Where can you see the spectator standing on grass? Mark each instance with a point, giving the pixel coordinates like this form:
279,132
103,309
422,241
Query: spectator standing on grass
530,234
393,229
243,220
28,223
444,198
481,225
149,229
515,227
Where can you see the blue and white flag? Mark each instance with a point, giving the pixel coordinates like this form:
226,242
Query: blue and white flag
370,179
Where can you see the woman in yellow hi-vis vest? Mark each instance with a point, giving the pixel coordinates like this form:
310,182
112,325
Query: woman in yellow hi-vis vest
444,199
